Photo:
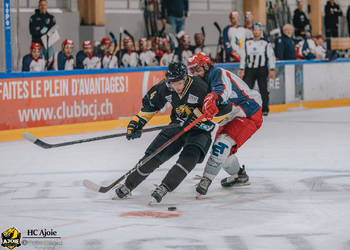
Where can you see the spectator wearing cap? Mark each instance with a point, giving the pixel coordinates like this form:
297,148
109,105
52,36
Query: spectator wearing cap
300,21
175,12
257,64
86,58
234,38
331,20
40,23
64,59
285,45
34,62
200,46
108,60
184,51
168,55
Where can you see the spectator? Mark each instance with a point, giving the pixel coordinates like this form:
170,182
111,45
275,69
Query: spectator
128,56
200,47
332,13
64,60
348,18
86,58
285,46
40,23
184,51
34,62
300,21
146,57
234,38
258,62
168,55
176,13
312,48
248,24
108,60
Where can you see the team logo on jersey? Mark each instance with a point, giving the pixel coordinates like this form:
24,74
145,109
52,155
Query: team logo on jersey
11,238
169,98
183,111
192,99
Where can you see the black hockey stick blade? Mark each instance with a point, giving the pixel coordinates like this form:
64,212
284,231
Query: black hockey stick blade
46,145
114,39
128,34
103,189
217,26
203,31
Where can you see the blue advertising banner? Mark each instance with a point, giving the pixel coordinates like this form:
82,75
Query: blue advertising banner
7,24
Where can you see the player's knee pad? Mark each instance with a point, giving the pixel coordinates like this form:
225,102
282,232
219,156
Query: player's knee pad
231,165
220,152
190,156
188,159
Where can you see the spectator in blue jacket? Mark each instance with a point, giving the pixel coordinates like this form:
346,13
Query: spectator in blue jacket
285,45
175,12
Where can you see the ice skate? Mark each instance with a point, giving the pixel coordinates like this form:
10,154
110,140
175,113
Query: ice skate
240,179
202,187
158,194
121,192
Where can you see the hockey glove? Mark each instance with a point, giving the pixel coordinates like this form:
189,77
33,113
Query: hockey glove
209,106
134,128
193,116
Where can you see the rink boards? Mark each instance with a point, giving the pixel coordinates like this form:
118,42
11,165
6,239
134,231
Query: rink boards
69,102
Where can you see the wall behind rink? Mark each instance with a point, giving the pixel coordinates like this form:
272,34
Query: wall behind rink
58,103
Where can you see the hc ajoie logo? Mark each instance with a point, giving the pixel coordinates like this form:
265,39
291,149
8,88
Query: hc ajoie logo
11,238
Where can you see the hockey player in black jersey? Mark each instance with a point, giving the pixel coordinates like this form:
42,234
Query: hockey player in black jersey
186,95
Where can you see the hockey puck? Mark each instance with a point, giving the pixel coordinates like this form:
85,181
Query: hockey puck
171,208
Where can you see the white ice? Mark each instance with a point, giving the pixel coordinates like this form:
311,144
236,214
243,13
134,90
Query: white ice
299,197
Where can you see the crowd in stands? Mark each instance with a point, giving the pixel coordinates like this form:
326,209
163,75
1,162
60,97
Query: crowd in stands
294,43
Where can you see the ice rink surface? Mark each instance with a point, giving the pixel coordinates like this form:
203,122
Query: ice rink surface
299,197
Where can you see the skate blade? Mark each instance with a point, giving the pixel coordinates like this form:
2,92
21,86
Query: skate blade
153,202
200,196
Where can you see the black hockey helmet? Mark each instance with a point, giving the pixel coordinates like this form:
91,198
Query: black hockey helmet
176,72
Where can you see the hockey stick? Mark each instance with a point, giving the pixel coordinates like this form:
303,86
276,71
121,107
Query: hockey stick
119,54
114,40
103,189
46,145
131,36
220,44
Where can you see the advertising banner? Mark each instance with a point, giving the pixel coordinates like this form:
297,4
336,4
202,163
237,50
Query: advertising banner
67,99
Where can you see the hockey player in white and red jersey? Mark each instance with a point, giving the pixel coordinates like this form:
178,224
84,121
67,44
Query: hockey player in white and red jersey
244,120
33,62
234,38
184,51
86,58
146,57
128,55
64,59
200,46
168,56
108,60
248,24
